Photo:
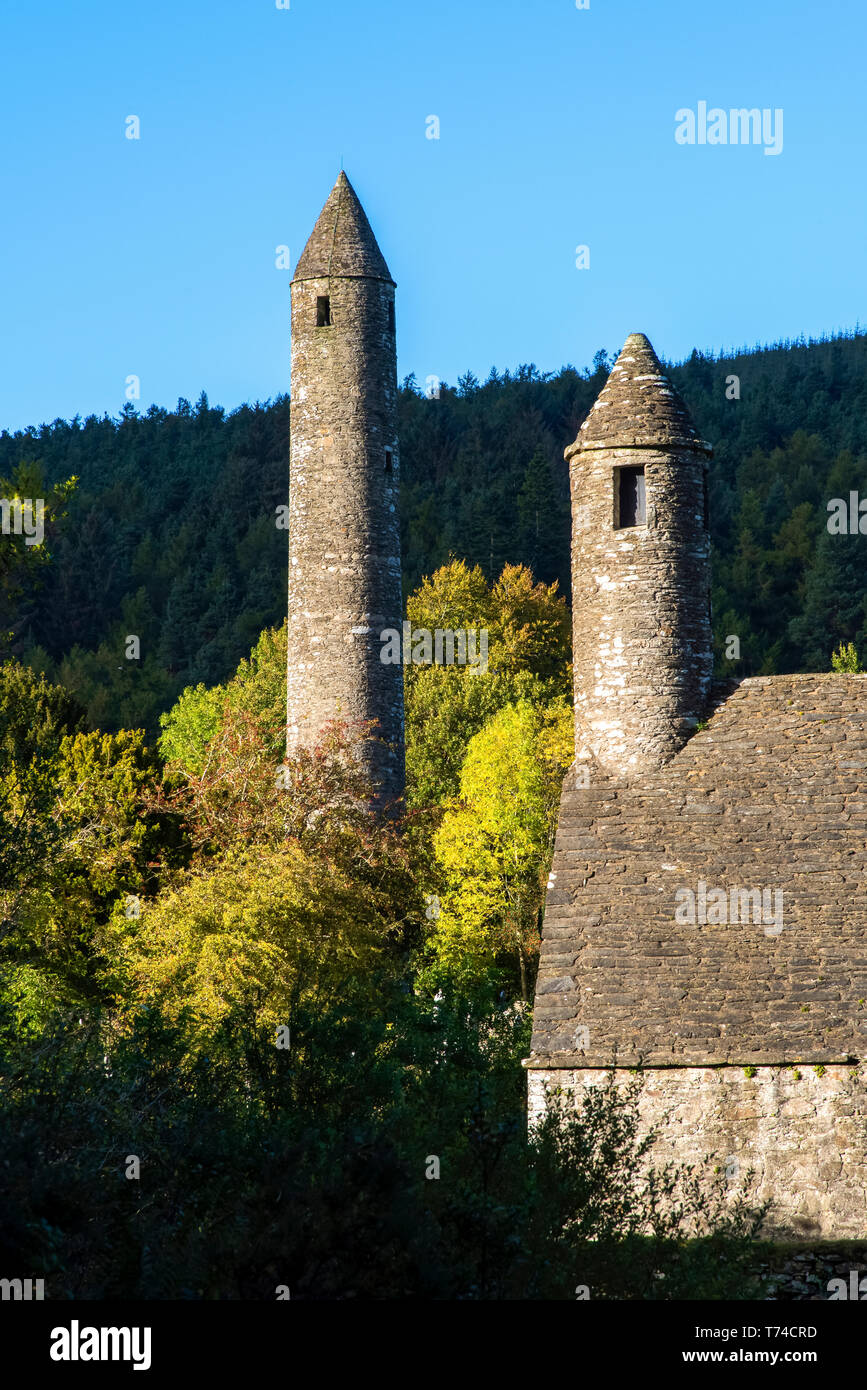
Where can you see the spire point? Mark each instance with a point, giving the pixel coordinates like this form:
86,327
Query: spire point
638,405
342,244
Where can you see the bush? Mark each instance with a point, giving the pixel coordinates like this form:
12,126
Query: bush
308,1167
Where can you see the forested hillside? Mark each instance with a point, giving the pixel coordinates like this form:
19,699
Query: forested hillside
269,998
170,533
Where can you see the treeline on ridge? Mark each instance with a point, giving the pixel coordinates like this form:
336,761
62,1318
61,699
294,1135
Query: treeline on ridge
170,533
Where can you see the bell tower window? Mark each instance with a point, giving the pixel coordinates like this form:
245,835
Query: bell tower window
629,498
323,311
389,462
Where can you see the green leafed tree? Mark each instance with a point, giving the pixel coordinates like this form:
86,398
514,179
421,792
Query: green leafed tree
529,648
74,841
845,660
835,601
494,847
257,687
30,511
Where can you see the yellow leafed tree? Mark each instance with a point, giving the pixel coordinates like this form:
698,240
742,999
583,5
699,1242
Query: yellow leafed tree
494,846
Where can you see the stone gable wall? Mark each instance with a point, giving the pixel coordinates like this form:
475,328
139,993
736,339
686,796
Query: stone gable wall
805,1137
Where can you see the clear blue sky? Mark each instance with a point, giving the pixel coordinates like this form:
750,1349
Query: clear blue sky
156,257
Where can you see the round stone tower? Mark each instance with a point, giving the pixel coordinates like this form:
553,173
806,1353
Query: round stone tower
344,528
640,569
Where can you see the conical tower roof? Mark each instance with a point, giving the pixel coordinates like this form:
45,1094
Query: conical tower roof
342,242
637,406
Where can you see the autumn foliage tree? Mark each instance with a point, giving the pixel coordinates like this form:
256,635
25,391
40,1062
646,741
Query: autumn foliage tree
74,838
297,891
494,847
529,649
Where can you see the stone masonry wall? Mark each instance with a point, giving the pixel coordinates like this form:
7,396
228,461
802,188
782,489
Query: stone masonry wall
641,603
344,528
805,1136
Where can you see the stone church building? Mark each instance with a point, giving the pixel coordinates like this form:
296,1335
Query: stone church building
706,918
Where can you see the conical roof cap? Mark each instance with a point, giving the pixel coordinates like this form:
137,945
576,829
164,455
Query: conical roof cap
637,406
342,243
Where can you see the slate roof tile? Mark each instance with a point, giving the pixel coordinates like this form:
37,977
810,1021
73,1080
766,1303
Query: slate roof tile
788,817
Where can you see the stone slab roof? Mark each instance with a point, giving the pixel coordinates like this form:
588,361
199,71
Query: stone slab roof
342,243
770,795
638,406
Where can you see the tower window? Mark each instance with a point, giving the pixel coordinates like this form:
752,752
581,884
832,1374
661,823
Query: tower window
706,504
630,497
323,311
391,316
389,461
